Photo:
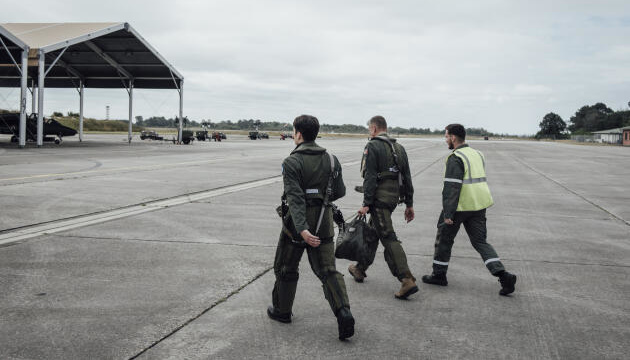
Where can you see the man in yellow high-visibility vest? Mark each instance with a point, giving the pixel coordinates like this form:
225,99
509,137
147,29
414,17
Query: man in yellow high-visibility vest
465,197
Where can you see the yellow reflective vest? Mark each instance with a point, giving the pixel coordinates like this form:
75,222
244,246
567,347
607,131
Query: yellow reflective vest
475,194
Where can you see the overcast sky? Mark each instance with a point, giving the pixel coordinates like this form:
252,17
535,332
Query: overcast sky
501,65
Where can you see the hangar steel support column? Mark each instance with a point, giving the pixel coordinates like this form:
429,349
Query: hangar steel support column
40,99
181,110
33,97
130,107
24,87
81,111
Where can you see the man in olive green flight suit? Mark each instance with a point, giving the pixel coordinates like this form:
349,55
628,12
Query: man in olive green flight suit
386,182
306,174
465,197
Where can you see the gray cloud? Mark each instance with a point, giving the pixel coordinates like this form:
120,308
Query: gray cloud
496,64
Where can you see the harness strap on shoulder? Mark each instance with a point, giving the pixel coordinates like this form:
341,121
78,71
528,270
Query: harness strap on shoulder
391,144
328,192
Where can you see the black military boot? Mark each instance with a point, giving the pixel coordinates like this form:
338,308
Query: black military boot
507,281
345,323
275,314
435,279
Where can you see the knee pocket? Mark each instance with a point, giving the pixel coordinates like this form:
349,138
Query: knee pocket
390,237
288,274
326,272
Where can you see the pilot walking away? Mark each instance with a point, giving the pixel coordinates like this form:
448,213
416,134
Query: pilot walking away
386,183
310,186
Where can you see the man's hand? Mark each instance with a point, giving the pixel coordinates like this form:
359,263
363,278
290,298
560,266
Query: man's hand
448,221
310,239
363,210
409,214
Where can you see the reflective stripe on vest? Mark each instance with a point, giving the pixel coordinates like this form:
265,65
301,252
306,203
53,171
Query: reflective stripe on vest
475,194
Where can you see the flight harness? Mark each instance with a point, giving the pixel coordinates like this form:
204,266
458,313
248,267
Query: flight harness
393,172
283,209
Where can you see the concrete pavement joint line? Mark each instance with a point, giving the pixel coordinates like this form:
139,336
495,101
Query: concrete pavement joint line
426,167
530,261
573,192
216,303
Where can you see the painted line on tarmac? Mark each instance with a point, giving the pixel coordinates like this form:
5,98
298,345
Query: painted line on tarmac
141,168
56,226
80,221
85,172
624,221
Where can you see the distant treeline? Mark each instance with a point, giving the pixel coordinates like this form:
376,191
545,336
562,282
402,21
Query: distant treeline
98,125
72,120
250,124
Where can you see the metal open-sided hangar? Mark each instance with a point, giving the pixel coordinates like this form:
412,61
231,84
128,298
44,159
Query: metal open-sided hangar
34,56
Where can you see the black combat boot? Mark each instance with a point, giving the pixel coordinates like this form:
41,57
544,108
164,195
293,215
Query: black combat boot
435,279
507,281
345,323
275,314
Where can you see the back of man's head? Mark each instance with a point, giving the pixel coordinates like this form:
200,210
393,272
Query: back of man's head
457,130
379,122
307,125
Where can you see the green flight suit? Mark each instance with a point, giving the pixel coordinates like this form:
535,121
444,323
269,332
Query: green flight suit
381,192
305,174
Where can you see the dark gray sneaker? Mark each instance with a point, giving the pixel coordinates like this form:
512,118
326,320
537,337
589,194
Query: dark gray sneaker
435,279
507,281
345,322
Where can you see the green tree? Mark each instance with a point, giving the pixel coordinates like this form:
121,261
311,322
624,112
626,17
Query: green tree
552,126
591,118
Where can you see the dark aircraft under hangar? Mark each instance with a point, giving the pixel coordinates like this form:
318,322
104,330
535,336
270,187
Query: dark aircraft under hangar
53,130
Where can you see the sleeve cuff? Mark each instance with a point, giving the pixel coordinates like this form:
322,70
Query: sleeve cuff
299,229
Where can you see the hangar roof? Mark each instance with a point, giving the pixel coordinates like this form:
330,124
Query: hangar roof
103,55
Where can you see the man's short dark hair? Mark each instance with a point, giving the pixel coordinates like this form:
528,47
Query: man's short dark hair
307,125
379,122
457,130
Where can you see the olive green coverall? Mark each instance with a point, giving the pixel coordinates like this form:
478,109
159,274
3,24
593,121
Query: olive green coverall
305,175
381,192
